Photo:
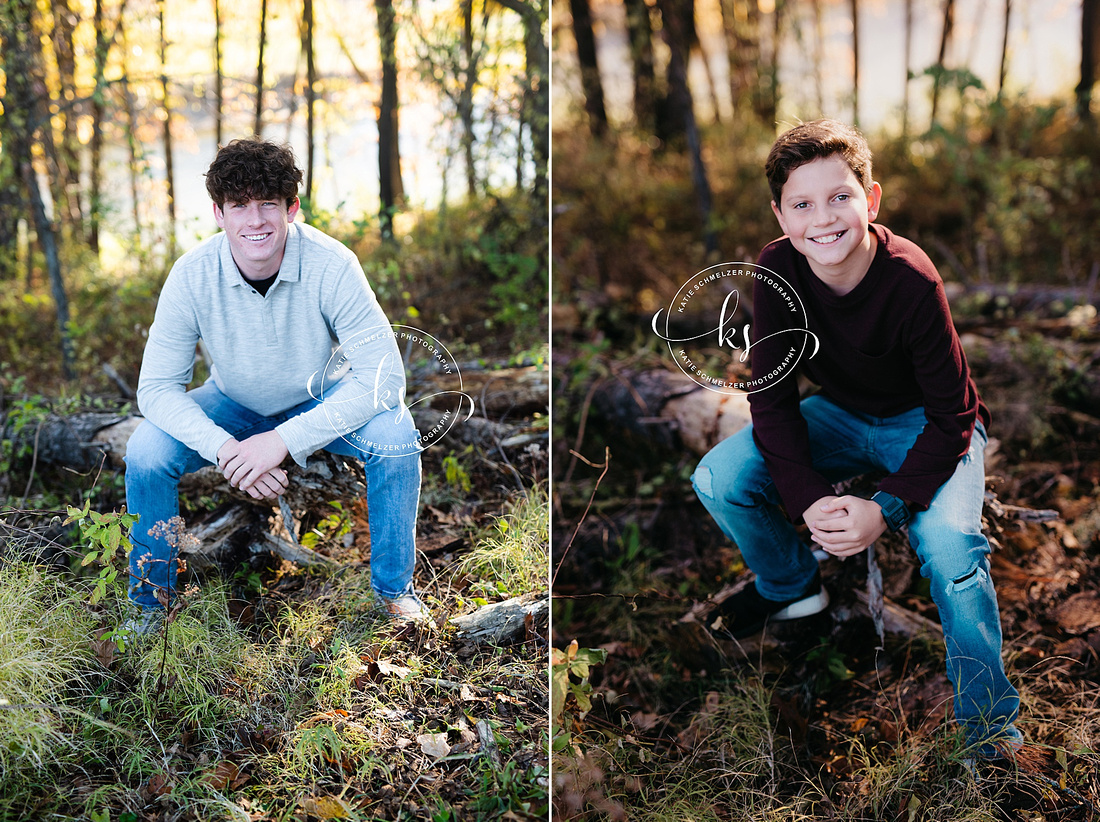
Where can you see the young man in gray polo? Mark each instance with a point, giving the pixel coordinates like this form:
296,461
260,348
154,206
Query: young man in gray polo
283,310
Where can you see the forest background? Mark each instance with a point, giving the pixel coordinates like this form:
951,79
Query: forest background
277,692
982,119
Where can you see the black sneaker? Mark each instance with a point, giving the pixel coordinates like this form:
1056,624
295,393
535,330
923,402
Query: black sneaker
746,612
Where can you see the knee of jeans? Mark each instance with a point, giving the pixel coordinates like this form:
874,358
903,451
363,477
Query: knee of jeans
716,479
977,575
706,477
146,450
703,482
387,436
957,575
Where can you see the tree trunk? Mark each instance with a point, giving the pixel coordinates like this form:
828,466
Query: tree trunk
521,122
855,62
641,57
258,122
741,20
908,62
466,97
1090,55
945,40
768,107
47,236
389,163
712,87
311,90
819,56
1003,73
590,71
96,193
169,171
219,91
131,130
20,50
677,107
537,67
11,199
69,205
682,113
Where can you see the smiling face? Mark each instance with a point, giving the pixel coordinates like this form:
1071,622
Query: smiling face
825,212
257,232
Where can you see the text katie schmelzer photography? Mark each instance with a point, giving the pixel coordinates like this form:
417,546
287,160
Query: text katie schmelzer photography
384,386
714,295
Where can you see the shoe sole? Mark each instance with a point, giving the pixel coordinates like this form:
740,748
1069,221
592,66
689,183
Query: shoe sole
796,610
804,607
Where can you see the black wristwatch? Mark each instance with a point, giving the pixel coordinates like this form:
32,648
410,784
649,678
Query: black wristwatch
894,511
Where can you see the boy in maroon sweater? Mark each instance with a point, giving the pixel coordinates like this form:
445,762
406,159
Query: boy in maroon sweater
895,396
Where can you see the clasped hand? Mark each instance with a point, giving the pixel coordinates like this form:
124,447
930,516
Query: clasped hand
253,465
844,526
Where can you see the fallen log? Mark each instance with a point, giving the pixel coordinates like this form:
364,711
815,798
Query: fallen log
898,620
502,622
501,393
88,441
669,409
84,441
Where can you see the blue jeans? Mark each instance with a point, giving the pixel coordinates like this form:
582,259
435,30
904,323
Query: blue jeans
155,462
735,487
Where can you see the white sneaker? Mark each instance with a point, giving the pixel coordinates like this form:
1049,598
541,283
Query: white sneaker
404,608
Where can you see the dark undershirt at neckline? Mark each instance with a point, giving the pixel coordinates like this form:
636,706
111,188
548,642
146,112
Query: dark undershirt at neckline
263,285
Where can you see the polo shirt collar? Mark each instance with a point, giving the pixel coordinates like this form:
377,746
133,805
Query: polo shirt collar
290,269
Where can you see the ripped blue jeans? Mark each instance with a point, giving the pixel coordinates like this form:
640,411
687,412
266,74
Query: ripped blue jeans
735,487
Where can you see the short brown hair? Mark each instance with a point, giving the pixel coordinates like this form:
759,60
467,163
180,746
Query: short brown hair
253,169
813,141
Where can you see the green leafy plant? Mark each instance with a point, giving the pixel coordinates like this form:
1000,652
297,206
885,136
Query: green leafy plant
569,673
330,528
104,535
831,667
457,476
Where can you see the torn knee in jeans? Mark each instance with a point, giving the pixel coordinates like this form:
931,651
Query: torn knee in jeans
701,479
976,576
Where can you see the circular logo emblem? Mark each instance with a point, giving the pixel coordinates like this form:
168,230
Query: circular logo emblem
721,357
378,359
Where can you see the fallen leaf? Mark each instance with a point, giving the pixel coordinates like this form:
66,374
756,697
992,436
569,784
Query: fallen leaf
1080,613
434,744
325,807
221,774
158,784
104,649
387,668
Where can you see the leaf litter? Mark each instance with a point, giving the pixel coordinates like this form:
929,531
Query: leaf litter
852,727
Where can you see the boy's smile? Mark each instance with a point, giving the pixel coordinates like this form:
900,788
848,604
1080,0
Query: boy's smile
257,231
825,212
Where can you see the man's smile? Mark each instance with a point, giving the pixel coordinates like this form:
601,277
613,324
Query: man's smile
257,237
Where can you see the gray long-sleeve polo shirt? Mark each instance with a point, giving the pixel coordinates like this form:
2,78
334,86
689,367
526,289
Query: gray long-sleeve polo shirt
271,353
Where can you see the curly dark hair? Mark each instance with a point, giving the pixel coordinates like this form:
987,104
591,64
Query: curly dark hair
813,141
253,169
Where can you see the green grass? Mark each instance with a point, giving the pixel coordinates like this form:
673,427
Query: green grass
329,701
43,647
510,556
